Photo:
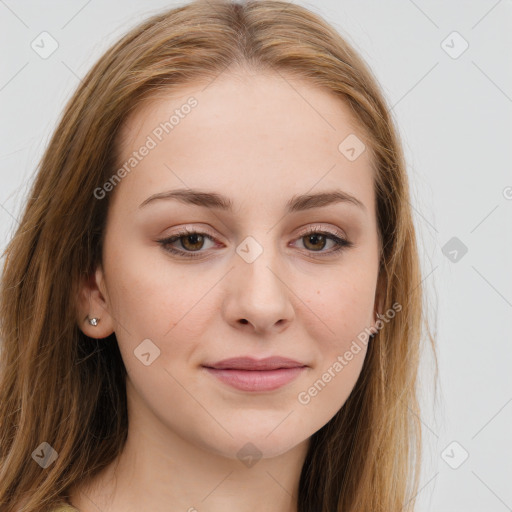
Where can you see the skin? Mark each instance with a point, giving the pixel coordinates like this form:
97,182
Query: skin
258,139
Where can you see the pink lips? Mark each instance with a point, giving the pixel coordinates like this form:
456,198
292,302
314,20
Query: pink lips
248,374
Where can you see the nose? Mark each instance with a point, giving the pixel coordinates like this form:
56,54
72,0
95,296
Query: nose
258,296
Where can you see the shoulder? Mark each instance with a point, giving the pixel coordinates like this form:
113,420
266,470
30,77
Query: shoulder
64,507
61,506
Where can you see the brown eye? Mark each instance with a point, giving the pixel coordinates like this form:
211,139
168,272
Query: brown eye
315,241
192,242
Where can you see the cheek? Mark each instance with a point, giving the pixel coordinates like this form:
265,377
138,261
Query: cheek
340,306
343,310
154,300
329,388
148,294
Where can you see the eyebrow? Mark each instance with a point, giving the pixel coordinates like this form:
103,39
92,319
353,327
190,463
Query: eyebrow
217,201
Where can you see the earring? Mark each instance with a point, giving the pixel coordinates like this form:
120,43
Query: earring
93,321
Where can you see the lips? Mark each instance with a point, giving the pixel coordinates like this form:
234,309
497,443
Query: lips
248,374
248,363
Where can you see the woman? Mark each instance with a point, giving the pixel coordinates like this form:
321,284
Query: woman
213,300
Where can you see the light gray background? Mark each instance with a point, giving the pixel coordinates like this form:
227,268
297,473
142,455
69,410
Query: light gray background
454,115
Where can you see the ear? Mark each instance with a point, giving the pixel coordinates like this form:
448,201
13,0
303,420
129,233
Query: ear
92,303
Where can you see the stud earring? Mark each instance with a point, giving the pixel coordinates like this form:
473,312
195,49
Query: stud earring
93,321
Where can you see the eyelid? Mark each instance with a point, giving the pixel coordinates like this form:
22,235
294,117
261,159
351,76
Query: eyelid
318,227
303,231
191,230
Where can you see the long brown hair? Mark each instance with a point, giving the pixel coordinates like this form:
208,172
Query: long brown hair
61,387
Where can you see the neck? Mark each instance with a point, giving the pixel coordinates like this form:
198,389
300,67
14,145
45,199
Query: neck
160,471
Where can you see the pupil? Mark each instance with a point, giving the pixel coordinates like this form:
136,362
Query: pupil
313,239
193,240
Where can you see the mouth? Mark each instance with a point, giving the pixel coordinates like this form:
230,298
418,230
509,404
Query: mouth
248,374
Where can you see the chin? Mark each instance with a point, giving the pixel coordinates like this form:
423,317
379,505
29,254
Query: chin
258,444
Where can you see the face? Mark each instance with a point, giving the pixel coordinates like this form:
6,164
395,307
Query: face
187,282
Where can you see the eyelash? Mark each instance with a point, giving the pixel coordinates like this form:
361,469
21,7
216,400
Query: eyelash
341,243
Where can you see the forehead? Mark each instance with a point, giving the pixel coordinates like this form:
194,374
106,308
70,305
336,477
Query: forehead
268,135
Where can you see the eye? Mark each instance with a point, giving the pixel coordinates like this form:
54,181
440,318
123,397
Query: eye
314,240
190,240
